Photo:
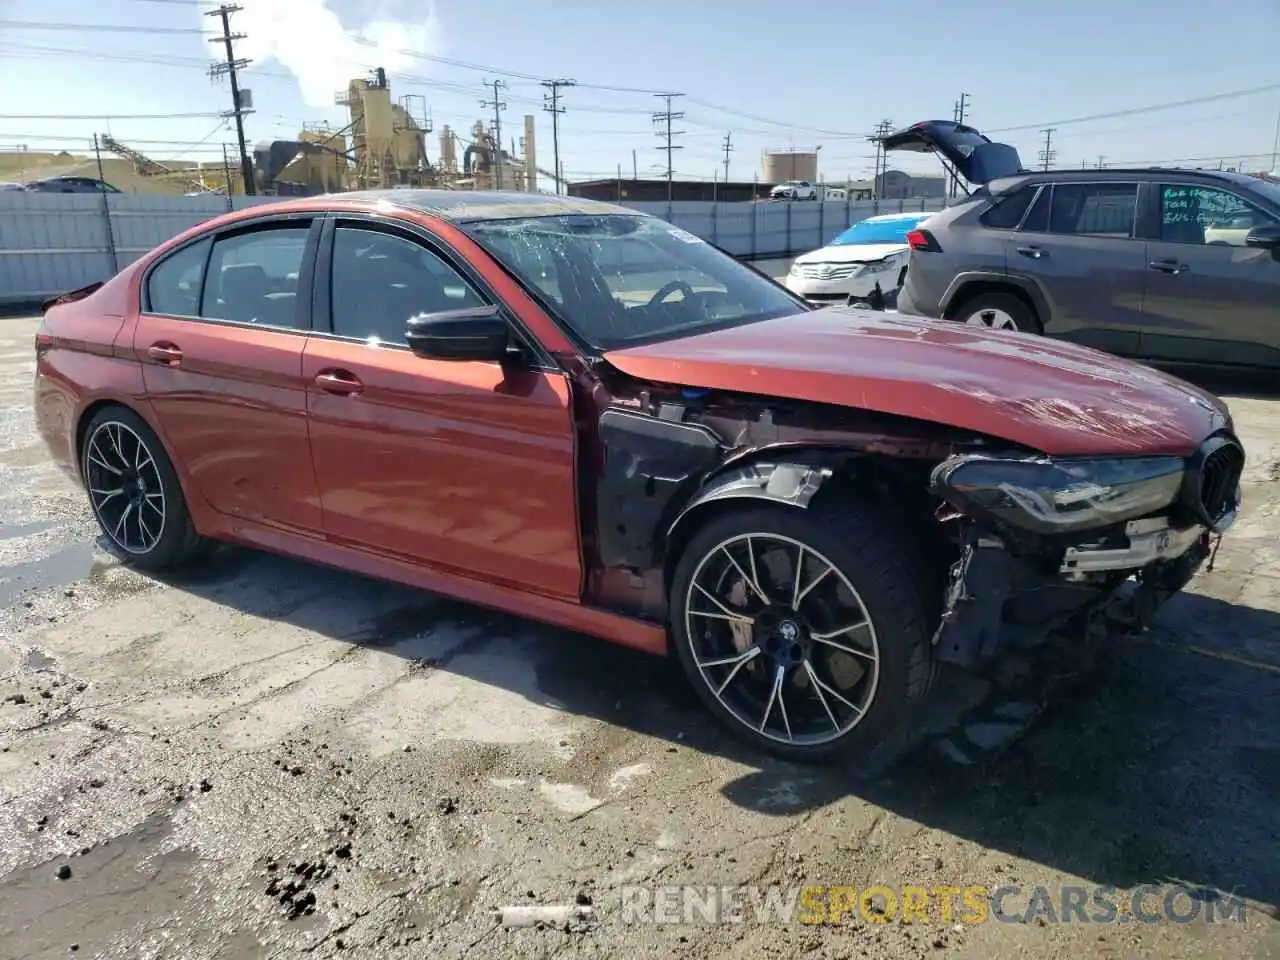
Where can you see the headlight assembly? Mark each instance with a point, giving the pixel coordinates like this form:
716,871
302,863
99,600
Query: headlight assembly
1059,496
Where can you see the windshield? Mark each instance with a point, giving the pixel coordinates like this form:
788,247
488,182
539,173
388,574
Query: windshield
619,280
879,231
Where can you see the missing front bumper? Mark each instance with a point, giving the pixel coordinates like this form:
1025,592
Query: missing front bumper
1150,541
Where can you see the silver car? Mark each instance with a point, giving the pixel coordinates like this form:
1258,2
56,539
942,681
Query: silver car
1173,266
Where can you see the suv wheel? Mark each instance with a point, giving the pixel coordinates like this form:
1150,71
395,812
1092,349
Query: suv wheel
998,311
803,632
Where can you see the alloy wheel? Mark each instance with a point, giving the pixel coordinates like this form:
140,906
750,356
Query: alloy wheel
782,639
125,488
991,317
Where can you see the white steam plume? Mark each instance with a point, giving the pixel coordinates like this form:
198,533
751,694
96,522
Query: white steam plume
308,39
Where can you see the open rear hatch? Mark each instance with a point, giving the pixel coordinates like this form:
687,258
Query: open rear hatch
962,149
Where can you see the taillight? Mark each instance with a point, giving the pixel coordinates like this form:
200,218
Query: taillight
924,241
44,341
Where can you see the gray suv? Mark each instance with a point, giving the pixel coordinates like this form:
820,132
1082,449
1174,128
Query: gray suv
1173,266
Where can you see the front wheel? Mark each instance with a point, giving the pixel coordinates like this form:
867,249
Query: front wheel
802,631
134,491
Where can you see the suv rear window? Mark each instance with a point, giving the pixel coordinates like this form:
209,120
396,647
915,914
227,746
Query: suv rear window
1006,213
1094,209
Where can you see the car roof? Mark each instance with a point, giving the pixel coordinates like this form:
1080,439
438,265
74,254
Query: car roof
894,217
459,206
1093,174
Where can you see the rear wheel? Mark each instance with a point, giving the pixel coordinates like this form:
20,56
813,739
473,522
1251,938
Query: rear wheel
134,491
802,631
997,311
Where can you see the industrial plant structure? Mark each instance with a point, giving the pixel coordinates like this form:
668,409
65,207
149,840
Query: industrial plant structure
384,145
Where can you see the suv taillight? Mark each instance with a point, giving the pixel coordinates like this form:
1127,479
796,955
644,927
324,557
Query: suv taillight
924,241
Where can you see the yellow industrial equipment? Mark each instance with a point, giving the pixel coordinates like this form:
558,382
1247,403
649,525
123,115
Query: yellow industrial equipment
388,143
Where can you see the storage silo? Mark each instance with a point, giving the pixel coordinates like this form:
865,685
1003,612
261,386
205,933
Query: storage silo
779,165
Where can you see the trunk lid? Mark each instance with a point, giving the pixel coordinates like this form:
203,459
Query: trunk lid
1053,397
975,157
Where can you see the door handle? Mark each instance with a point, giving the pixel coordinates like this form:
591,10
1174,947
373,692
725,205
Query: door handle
341,382
167,353
1035,253
1169,266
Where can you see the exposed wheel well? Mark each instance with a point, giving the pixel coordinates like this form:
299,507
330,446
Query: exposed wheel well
976,288
856,476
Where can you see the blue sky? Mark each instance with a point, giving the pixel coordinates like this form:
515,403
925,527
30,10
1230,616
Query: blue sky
771,74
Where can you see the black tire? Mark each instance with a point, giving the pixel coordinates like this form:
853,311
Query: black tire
1023,316
874,558
164,537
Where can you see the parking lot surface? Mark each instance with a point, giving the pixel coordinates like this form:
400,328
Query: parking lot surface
270,759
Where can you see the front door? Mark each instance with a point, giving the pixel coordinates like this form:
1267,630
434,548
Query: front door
1078,242
461,465
1210,299
222,365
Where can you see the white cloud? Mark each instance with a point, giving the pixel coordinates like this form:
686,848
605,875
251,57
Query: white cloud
308,38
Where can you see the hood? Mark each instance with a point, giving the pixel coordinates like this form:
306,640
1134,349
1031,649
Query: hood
853,253
976,158
1056,398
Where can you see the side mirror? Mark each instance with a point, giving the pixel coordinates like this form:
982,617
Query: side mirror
473,333
1266,237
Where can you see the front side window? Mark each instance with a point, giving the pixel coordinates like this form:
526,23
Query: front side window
173,286
619,280
253,277
1094,209
380,280
1207,215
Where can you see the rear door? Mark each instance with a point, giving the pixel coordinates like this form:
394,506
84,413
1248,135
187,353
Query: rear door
222,365
467,466
1209,299
1079,244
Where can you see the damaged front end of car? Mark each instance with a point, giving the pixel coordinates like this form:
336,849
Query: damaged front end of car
1075,547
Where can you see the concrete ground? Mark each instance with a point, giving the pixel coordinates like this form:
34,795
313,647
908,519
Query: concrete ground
269,759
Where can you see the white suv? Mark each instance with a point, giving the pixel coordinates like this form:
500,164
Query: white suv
794,190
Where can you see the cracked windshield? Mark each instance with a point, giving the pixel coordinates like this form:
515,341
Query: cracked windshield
683,481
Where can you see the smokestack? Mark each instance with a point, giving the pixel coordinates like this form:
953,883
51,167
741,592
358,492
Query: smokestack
530,156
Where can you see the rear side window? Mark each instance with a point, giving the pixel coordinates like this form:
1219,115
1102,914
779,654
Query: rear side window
1006,213
1094,209
1037,220
253,277
173,287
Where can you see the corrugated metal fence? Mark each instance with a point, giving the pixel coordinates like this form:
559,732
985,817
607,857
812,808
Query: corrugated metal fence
54,242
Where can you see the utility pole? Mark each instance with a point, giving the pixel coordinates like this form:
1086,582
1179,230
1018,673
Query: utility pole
635,167
551,104
230,67
1048,154
728,149
664,119
498,106
882,130
1101,161
960,109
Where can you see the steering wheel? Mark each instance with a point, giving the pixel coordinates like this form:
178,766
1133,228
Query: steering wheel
669,288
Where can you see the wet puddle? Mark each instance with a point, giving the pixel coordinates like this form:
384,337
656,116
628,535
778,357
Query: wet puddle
126,884
68,565
12,531
36,661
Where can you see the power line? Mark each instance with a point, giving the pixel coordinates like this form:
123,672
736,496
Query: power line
498,106
108,116
1135,111
551,103
94,27
1048,154
238,101
669,135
